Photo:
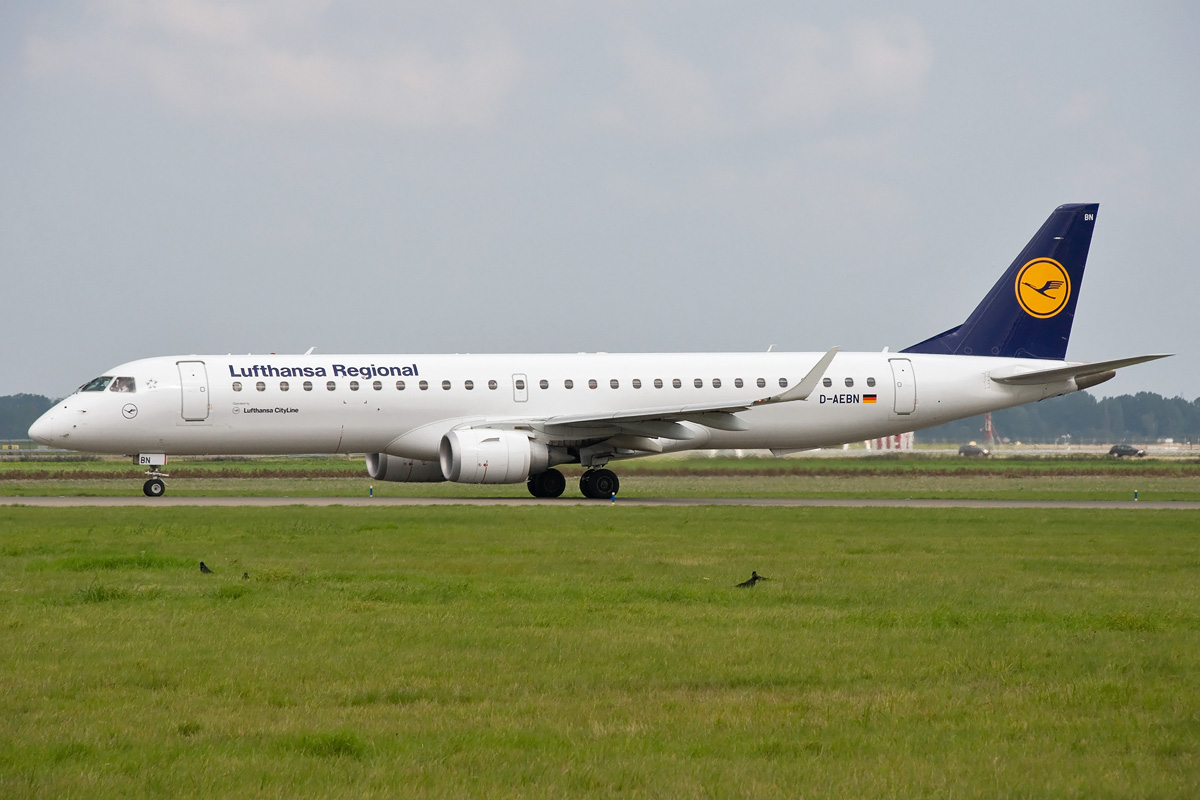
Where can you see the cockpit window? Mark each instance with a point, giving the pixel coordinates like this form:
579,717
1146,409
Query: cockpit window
96,384
123,385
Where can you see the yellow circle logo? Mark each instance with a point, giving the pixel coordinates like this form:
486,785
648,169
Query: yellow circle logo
1043,288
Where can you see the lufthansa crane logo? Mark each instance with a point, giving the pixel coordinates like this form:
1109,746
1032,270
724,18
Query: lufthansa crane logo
1043,288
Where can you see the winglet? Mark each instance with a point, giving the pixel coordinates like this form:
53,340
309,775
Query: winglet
804,388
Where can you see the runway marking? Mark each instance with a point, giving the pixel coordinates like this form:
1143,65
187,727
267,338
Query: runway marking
780,502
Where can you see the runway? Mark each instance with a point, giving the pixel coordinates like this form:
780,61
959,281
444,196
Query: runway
531,502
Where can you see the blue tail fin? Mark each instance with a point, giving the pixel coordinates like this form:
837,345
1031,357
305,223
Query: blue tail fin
1028,313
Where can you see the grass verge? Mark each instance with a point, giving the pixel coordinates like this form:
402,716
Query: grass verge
549,652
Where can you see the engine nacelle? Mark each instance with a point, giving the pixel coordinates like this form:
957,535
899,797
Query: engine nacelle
383,467
482,455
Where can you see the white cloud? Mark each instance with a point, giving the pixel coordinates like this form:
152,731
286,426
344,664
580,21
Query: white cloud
792,75
1081,108
252,60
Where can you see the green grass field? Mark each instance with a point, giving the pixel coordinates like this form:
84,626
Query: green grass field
597,652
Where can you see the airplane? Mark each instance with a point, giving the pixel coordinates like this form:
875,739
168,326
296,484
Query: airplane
490,419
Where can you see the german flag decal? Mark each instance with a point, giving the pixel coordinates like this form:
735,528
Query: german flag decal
868,398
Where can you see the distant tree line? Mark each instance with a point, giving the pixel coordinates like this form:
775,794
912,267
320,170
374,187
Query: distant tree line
18,411
1141,417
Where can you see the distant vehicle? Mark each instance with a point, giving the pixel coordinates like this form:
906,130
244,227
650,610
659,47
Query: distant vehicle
1121,450
973,451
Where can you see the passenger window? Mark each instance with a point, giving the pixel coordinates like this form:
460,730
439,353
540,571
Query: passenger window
737,382
377,385
354,386
676,383
446,385
492,384
544,384
262,387
871,382
783,383
849,383
568,383
308,386
283,386
399,386
637,383
716,383
592,383
468,385
520,384
423,385
123,385
330,385
237,386
762,383
826,382
613,383
699,384
658,383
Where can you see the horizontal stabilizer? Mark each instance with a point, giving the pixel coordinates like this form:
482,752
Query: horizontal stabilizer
1018,376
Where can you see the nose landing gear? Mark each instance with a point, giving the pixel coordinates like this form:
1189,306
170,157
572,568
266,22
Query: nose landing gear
155,486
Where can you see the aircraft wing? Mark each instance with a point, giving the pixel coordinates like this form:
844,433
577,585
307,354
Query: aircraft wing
661,422
705,414
1016,375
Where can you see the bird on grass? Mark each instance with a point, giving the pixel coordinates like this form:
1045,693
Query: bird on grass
204,568
754,578
245,576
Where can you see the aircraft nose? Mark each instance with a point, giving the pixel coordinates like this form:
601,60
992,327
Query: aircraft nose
42,429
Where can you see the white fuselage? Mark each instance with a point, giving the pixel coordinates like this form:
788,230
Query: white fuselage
403,405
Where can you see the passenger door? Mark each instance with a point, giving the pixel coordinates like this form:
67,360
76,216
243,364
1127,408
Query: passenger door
193,384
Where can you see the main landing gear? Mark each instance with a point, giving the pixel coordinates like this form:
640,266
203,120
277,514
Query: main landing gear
597,484
550,483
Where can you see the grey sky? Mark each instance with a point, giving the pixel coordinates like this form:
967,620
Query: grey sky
199,176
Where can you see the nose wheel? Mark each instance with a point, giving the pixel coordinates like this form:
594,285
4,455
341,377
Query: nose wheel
155,461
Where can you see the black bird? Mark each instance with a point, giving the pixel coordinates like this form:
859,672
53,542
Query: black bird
754,578
245,576
204,568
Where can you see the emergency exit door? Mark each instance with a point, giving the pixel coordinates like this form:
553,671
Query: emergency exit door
904,386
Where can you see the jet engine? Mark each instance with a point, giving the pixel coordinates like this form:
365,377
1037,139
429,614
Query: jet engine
482,455
383,467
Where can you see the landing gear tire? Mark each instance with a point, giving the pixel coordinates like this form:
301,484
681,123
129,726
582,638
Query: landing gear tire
154,488
599,484
550,483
